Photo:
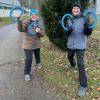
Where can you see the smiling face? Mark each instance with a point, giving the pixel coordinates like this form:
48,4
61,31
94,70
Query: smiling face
34,17
75,10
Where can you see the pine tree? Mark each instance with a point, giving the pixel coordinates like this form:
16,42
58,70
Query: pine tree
52,12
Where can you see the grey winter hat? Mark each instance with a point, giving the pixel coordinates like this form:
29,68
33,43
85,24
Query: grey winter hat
76,4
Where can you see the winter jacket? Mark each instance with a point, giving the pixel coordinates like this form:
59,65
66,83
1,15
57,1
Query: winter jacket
29,42
78,32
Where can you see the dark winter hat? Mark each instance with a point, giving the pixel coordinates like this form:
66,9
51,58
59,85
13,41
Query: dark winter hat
76,4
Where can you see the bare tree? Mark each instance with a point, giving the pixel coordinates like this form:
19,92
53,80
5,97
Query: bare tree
25,3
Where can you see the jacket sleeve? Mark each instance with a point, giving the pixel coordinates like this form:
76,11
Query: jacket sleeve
69,31
69,26
22,27
87,30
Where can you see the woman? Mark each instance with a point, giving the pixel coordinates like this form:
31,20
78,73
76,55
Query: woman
31,44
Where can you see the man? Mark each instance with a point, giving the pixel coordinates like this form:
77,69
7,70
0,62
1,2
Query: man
78,33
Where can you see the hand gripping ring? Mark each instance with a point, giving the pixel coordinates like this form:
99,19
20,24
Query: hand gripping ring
31,27
12,10
86,13
63,19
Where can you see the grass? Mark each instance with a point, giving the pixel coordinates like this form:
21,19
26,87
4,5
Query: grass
4,21
96,33
98,24
64,81
25,17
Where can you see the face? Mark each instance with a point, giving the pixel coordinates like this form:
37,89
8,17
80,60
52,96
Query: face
34,17
76,10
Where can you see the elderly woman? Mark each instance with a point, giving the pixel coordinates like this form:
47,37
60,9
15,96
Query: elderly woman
31,44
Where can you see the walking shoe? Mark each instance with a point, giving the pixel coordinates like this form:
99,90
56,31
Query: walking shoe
27,77
82,91
39,66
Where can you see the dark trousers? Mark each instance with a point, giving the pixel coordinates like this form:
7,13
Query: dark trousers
80,64
29,58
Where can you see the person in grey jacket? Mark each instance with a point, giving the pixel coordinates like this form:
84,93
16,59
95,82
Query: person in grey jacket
78,33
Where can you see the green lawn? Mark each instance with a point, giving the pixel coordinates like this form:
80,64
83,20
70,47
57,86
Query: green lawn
25,17
65,82
96,32
4,21
98,24
96,35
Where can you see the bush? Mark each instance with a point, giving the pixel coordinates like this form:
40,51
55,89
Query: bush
52,12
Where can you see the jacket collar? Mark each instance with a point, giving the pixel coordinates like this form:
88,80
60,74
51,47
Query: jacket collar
77,16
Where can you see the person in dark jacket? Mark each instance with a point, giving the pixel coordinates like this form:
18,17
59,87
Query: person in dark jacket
31,44
78,33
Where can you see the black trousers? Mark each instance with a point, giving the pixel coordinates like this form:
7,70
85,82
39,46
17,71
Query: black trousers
80,64
29,58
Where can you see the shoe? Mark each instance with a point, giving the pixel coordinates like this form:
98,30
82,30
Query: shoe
39,66
27,77
82,91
